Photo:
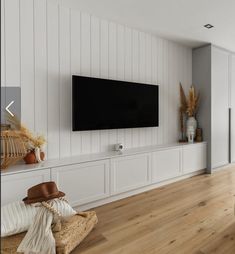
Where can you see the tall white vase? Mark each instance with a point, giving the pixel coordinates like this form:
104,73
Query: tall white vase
191,125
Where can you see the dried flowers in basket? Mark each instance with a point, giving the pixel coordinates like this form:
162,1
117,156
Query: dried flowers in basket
33,143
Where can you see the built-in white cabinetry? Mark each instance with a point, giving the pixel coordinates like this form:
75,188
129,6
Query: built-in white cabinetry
14,187
129,172
83,183
220,108
166,164
93,180
232,105
194,158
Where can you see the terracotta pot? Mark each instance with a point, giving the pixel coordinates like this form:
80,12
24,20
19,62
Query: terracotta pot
30,158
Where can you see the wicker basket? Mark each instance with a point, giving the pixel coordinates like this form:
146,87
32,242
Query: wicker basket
74,230
12,148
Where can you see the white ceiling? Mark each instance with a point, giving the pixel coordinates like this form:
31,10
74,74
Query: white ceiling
178,20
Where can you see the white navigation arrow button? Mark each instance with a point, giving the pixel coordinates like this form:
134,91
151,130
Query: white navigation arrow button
7,108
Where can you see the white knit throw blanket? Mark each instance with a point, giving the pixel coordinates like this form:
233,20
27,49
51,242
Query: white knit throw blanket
39,238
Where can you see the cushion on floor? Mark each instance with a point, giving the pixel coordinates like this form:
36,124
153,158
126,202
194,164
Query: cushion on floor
73,231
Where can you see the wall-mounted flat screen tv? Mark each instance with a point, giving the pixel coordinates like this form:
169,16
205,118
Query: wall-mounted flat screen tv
112,104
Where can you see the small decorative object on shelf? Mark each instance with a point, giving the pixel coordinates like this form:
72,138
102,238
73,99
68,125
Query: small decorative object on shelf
32,143
190,134
199,135
191,125
188,110
118,147
12,147
33,156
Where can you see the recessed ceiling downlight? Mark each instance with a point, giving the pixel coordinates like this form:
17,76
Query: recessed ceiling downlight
208,26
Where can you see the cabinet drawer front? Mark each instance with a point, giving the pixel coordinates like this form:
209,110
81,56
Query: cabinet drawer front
14,187
194,158
129,173
83,183
166,164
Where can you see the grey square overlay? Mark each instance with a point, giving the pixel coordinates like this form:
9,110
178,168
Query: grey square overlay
10,102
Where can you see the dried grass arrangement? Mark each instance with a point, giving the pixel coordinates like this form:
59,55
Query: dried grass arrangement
188,108
192,102
31,141
20,143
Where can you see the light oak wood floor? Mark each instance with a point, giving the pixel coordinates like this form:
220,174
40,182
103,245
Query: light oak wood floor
193,216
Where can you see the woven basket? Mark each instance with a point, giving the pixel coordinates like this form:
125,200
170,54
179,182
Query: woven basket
74,230
12,148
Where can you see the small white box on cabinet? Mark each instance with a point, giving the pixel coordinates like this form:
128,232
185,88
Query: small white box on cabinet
83,183
166,164
129,172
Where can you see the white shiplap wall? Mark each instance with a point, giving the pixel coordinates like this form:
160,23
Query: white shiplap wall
43,44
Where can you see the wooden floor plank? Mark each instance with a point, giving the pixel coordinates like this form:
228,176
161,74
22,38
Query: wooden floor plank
193,216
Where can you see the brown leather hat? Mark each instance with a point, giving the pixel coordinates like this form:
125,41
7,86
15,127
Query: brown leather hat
43,192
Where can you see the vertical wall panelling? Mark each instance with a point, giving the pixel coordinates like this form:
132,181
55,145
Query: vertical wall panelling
112,68
120,68
46,43
104,73
128,76
161,94
135,77
176,93
148,79
95,72
142,75
12,42
75,50
154,54
40,61
165,89
171,92
53,78
65,81
86,68
27,63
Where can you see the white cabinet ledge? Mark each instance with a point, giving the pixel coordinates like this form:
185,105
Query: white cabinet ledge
92,180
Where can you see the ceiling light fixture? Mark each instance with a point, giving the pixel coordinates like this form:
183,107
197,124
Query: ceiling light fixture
208,26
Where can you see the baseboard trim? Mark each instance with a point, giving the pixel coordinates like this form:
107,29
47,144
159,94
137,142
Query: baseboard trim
217,169
137,191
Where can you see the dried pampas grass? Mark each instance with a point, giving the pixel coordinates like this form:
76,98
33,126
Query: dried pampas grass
30,140
188,107
192,102
183,100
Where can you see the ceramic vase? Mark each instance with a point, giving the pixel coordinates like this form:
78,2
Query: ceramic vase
32,157
191,127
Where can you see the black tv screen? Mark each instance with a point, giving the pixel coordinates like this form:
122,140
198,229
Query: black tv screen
111,104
